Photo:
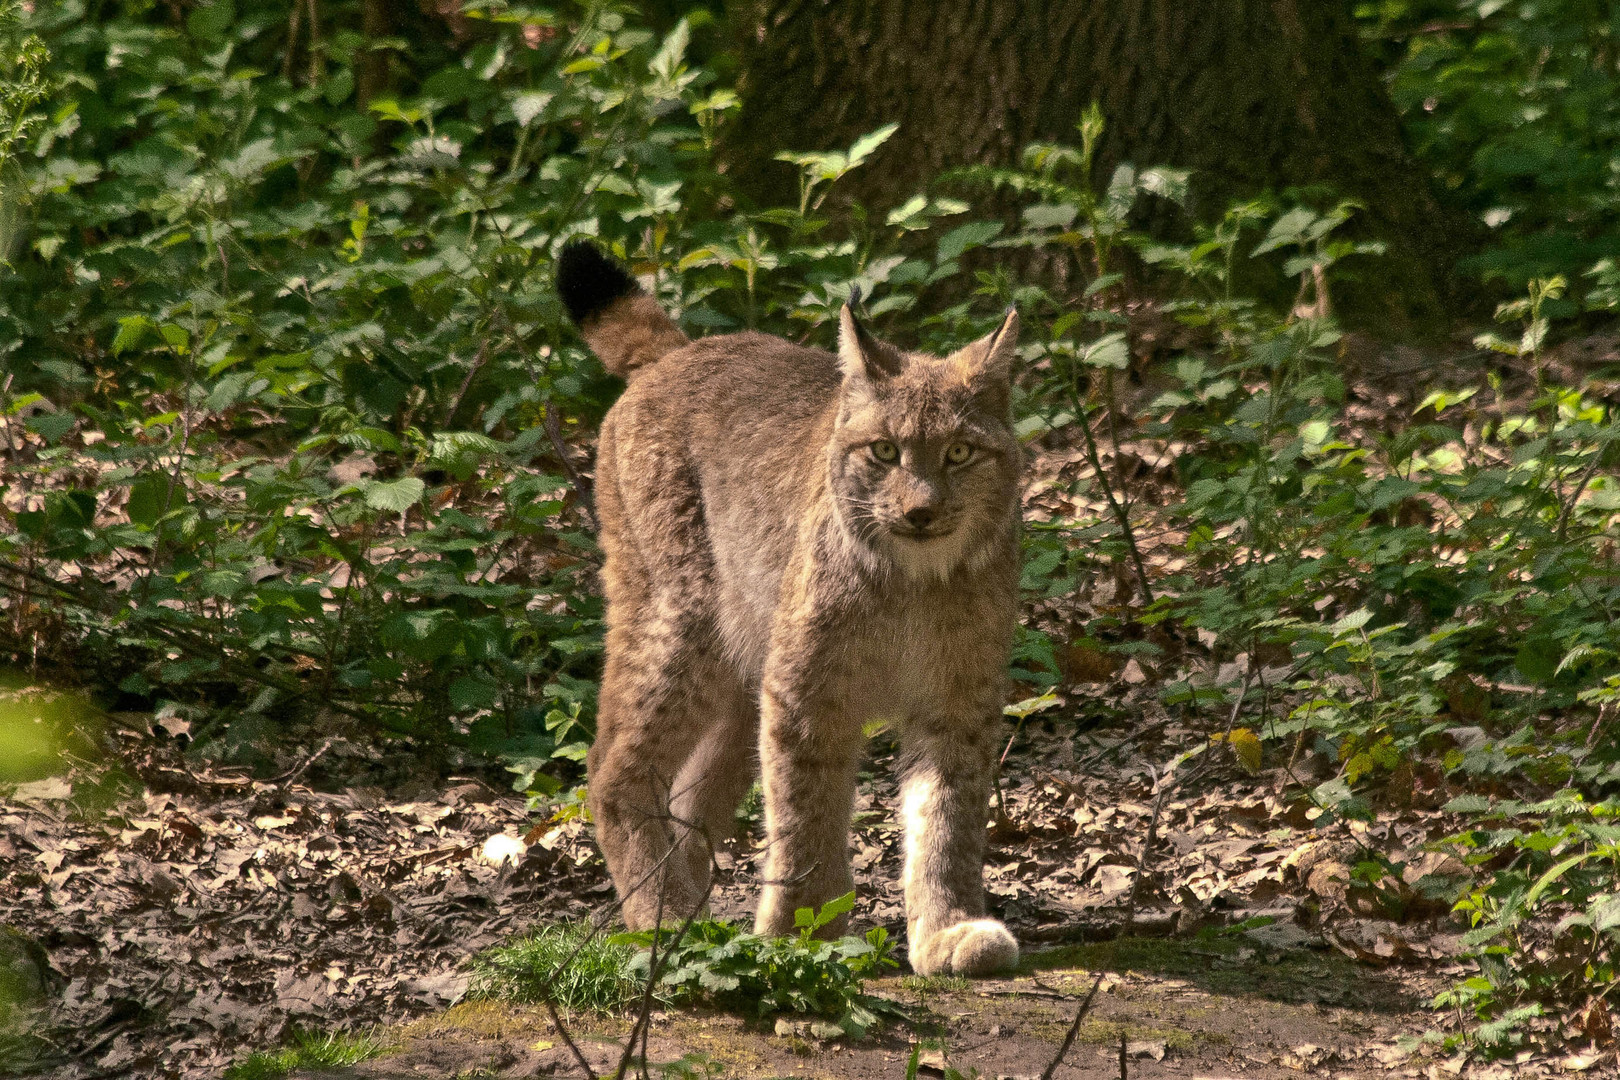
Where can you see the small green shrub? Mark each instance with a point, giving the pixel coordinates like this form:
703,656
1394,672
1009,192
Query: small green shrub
1544,927
331,1050
692,1066
714,963
565,962
720,964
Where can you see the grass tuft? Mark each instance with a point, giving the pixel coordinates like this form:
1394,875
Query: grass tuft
934,984
309,1050
536,966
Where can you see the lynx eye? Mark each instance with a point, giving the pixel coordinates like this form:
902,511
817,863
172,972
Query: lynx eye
958,453
885,451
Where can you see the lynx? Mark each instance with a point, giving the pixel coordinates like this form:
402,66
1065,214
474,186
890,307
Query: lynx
795,544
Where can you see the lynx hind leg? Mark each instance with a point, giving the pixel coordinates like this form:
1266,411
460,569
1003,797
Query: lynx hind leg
662,660
944,797
645,732
717,774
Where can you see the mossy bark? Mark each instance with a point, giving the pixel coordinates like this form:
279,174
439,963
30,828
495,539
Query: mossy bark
1250,94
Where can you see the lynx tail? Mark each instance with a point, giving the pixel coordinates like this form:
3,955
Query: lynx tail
622,324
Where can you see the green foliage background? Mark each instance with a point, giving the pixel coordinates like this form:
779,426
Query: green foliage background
291,414
1514,105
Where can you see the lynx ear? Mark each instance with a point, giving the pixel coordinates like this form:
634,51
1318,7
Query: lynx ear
986,365
862,356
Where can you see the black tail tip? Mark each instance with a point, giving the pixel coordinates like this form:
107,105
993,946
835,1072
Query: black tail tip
588,280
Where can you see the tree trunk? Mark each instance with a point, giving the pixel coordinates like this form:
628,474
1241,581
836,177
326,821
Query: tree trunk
1249,94
372,70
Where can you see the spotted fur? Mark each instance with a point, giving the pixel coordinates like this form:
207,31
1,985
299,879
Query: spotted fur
769,591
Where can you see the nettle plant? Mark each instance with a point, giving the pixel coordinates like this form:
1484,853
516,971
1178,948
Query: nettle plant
1267,375
1544,928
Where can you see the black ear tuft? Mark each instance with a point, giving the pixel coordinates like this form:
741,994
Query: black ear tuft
588,280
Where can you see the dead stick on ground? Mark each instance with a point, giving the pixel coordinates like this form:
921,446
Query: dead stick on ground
1055,995
1074,1029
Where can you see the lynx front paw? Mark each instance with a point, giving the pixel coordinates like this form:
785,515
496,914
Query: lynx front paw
975,947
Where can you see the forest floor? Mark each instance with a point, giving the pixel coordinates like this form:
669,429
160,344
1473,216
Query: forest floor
205,914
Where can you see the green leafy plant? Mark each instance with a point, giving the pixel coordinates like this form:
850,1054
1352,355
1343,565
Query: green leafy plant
23,87
723,965
1403,580
1555,884
693,1066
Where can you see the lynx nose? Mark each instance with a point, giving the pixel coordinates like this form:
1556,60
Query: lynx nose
920,517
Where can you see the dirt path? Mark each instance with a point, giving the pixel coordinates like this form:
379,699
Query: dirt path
1185,1009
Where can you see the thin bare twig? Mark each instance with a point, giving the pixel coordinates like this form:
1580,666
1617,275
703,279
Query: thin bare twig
480,358
1097,755
5,415
568,1040
1144,862
1568,506
644,1018
292,39
297,771
654,971
553,427
596,927
1597,726
316,67
1120,515
1074,1029
1237,706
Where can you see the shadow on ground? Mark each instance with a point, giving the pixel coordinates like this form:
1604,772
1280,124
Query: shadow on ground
1229,966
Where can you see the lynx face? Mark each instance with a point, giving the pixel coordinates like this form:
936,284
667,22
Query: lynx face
924,463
